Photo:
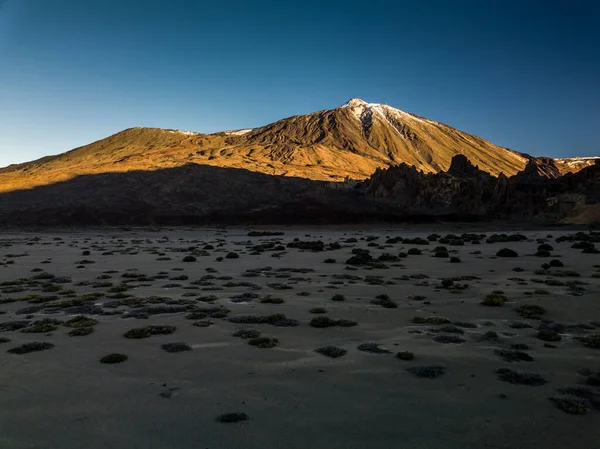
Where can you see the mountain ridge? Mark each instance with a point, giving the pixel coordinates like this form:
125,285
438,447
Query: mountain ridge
350,141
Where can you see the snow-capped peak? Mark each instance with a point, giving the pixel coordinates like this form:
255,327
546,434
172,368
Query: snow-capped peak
361,110
354,102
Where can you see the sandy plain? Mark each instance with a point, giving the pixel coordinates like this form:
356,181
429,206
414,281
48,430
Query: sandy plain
64,397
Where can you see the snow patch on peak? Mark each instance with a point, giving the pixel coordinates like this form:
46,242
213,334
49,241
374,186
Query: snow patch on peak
354,102
582,158
239,132
578,162
180,131
360,109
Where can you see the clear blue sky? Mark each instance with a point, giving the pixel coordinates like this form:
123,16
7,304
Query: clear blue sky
522,74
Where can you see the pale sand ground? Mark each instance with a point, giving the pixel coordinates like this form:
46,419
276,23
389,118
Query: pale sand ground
64,398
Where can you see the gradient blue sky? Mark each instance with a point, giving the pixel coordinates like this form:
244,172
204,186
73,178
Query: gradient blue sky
522,74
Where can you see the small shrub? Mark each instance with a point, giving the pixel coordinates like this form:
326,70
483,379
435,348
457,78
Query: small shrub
513,355
519,377
373,348
494,300
318,310
232,417
81,321
113,358
263,342
147,331
232,255
40,328
571,405
34,346
338,298
196,315
490,336
322,321
531,311
246,333
384,301
405,355
465,324
176,347
427,372
81,331
9,326
271,300
331,351
590,341
507,252
548,335
185,259
434,320
206,323
345,323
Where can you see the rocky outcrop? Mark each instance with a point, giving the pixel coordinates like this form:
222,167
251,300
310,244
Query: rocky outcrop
538,192
538,169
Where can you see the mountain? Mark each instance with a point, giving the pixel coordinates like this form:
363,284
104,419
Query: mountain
350,141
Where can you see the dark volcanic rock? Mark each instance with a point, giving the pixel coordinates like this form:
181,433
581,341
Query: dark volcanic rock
538,192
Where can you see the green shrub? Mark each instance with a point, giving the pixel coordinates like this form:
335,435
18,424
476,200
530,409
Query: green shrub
81,321
434,320
264,342
494,300
531,311
81,331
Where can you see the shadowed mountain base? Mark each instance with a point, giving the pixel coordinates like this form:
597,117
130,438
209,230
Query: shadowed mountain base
201,194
